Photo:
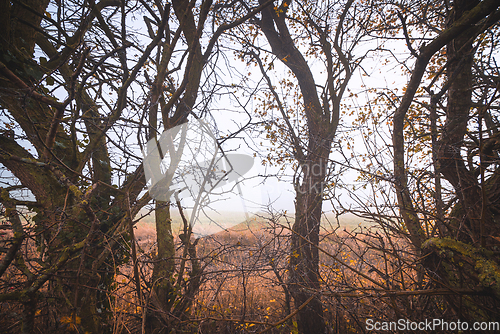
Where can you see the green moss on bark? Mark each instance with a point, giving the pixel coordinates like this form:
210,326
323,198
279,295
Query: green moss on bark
458,254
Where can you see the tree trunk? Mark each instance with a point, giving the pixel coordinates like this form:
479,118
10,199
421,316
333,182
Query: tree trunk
464,260
163,270
304,260
460,56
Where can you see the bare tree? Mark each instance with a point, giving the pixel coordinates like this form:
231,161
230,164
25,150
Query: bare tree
297,34
78,102
461,217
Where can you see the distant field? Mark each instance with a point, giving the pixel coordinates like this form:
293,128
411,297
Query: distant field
237,222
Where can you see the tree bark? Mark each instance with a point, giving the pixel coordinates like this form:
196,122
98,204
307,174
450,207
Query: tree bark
163,269
304,280
460,57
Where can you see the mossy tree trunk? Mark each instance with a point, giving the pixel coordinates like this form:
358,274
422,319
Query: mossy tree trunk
78,212
462,259
163,293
